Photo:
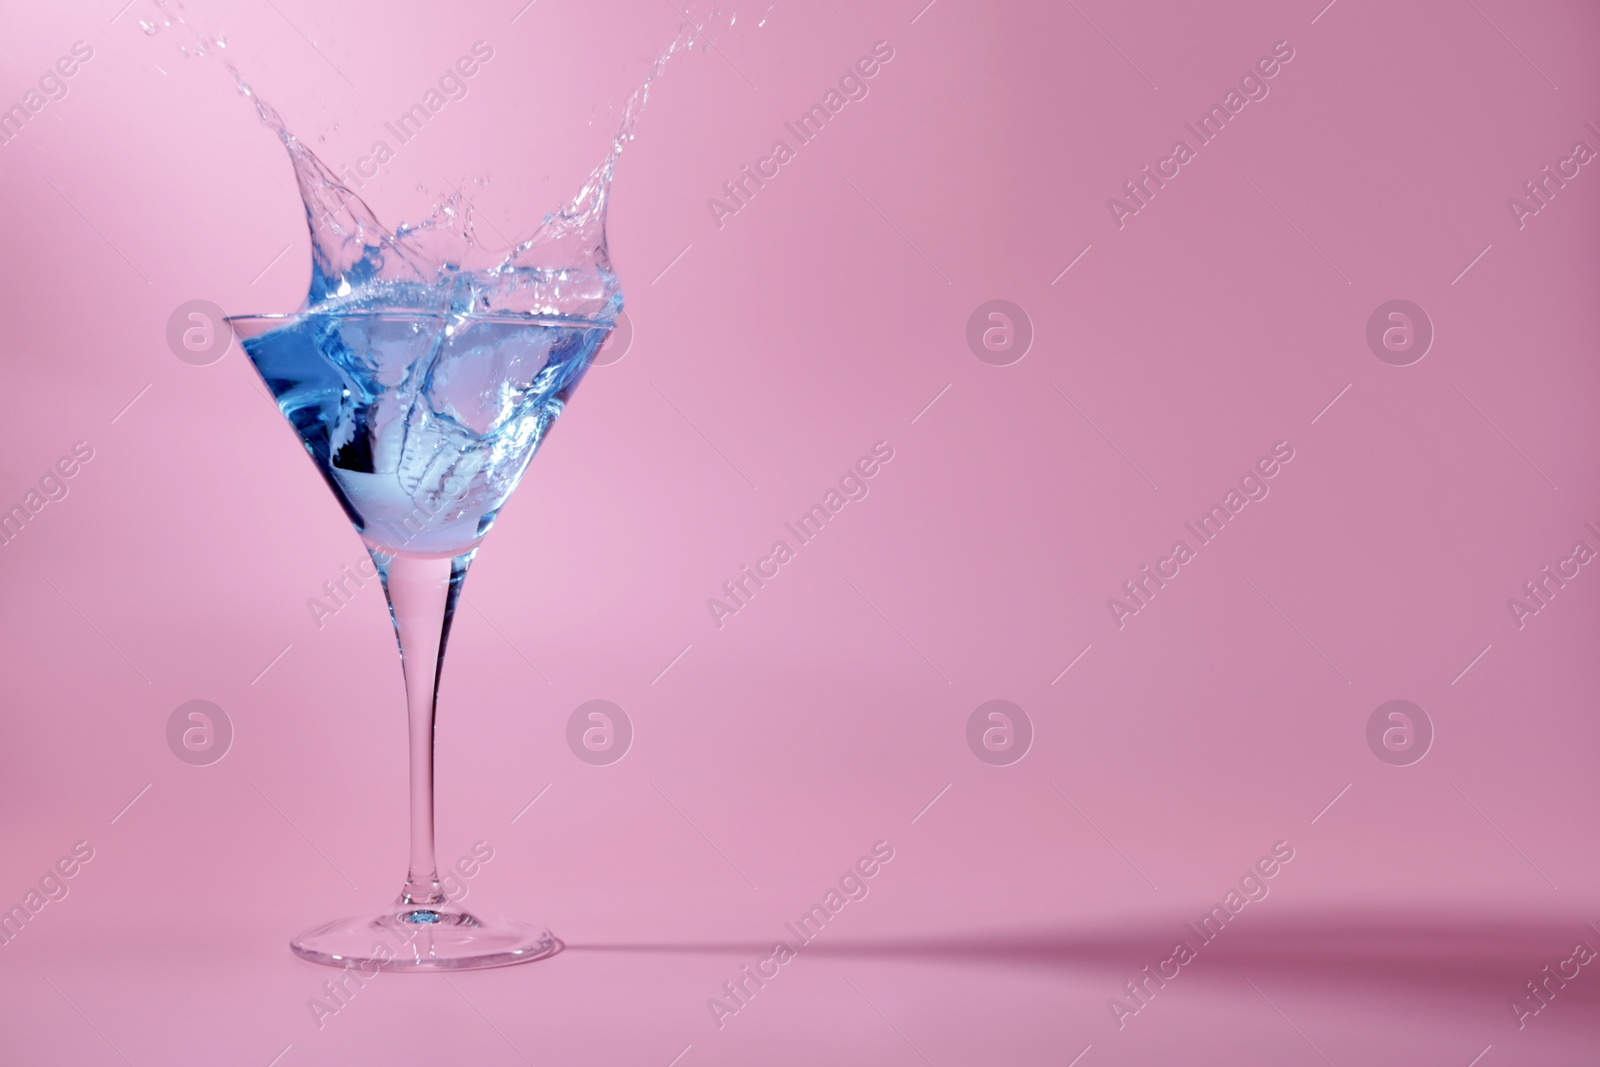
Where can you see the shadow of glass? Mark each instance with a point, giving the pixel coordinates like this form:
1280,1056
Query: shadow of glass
1465,953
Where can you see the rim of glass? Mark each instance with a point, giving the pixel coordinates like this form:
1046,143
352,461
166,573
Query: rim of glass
498,318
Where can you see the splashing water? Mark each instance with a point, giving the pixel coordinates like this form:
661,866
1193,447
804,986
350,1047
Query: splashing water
357,264
420,384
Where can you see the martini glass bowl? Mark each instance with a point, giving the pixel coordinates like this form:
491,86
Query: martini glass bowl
422,423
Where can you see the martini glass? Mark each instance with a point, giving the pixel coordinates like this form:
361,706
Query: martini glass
422,423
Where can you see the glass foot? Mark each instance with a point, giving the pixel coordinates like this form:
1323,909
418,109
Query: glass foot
417,938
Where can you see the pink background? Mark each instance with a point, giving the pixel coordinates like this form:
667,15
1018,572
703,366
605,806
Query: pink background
824,317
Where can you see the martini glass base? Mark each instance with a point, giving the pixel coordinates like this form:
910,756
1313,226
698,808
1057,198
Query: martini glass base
417,938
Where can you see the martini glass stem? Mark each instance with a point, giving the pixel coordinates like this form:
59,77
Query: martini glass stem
422,594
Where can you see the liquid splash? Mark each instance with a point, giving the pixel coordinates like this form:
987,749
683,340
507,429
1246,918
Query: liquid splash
423,371
562,268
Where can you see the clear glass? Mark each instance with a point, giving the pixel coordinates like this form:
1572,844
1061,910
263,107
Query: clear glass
422,425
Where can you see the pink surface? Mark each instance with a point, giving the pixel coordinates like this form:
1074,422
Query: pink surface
770,353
